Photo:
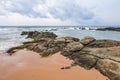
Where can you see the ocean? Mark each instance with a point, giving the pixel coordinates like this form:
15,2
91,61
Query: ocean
10,35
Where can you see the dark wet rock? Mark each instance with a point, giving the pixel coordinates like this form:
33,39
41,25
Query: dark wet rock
14,49
69,66
109,29
50,35
86,61
30,34
25,33
66,67
38,35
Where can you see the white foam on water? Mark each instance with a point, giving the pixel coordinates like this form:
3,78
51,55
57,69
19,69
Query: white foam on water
6,45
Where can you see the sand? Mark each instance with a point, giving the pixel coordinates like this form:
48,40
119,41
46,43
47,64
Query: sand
28,65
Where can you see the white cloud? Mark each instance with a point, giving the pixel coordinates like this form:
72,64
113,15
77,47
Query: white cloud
18,19
62,12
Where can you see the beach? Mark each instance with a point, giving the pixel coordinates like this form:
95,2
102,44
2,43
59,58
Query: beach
59,40
28,65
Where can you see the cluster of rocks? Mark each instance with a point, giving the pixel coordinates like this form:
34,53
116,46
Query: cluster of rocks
103,55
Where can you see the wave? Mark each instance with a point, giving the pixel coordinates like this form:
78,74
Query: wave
10,37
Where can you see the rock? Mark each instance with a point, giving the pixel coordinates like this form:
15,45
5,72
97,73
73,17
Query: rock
71,48
109,68
14,49
38,35
25,32
30,34
48,52
38,48
70,39
109,29
87,40
103,43
66,67
60,40
86,61
50,35
60,44
74,46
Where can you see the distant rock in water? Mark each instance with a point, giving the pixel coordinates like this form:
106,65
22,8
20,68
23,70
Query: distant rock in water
109,29
103,55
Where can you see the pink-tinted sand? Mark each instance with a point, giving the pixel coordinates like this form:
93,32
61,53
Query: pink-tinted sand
28,65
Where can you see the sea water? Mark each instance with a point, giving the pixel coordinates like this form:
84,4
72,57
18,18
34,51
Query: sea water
10,35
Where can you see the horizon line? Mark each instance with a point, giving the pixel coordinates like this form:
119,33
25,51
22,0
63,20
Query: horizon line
60,25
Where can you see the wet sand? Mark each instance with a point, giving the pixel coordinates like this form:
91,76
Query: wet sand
28,65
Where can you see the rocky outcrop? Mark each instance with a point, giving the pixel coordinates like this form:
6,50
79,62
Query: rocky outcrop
103,55
105,58
109,29
44,43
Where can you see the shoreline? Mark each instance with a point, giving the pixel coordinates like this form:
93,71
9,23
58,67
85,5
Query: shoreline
28,65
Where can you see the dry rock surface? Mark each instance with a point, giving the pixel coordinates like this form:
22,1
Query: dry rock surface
103,55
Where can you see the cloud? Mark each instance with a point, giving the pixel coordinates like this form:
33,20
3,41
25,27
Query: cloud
18,19
24,7
63,11
47,9
70,10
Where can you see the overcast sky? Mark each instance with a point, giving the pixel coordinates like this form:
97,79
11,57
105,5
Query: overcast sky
59,12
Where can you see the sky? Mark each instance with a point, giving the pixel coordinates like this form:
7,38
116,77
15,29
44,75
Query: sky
60,12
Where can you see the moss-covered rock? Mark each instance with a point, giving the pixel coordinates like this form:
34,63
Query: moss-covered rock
38,35
14,49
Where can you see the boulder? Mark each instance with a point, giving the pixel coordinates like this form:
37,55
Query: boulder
69,39
109,68
71,48
74,46
86,61
87,40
